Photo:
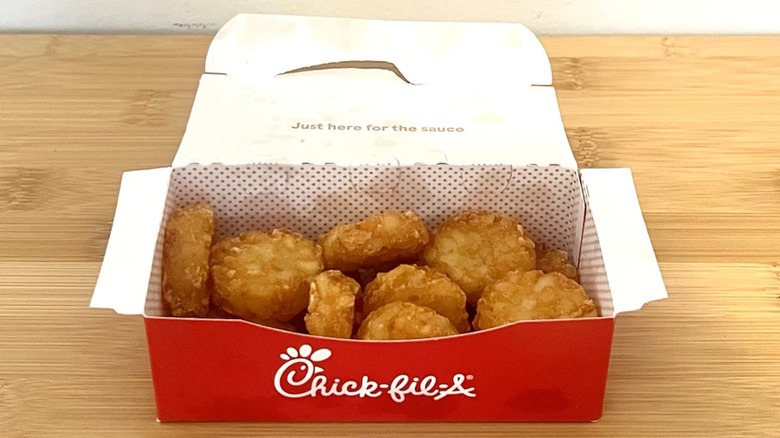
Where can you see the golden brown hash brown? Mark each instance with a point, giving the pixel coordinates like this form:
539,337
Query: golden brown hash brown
332,305
555,260
477,264
264,276
532,295
475,249
381,239
419,285
185,262
399,320
281,325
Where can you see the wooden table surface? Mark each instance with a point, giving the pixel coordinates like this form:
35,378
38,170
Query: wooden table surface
696,118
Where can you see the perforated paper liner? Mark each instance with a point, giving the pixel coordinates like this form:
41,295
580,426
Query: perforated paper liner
593,274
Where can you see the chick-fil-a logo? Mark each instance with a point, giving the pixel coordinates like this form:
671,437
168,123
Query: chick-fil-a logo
299,377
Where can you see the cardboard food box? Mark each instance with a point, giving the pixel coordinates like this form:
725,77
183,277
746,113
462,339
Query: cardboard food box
371,116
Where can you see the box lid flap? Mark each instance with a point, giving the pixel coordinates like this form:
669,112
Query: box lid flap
632,270
347,119
263,46
124,276
462,93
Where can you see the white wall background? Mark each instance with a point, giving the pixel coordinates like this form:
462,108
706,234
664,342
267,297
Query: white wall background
542,16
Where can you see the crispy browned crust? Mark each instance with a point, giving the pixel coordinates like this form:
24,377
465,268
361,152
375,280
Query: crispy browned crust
400,320
477,248
378,240
532,295
555,260
281,325
332,305
419,285
264,276
185,262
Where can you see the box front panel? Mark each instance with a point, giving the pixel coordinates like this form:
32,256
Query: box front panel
211,370
231,370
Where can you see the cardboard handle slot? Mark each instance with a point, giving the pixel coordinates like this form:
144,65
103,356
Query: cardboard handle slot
260,46
366,65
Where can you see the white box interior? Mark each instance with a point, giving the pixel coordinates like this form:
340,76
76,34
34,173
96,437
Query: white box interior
310,199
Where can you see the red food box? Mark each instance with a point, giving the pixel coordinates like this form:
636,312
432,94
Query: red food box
304,123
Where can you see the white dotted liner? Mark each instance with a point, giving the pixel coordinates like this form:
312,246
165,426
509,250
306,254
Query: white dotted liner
547,201
311,199
593,274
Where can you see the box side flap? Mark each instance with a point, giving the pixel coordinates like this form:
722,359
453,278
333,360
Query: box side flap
632,269
263,46
123,281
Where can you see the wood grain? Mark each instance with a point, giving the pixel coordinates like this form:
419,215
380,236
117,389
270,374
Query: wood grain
696,118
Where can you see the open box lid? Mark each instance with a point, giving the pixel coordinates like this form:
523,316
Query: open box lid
263,46
389,88
502,98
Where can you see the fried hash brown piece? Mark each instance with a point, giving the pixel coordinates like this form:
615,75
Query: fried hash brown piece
264,276
399,320
185,262
220,313
281,325
366,275
532,295
381,239
555,260
423,286
332,305
475,249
